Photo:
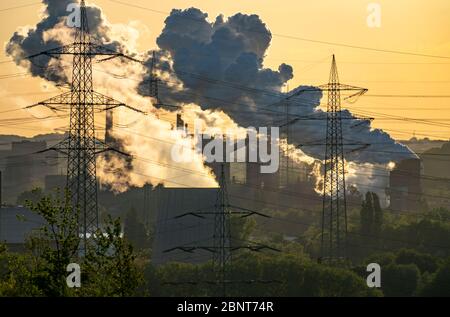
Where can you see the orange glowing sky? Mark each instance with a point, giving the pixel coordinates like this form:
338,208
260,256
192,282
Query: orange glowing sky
417,26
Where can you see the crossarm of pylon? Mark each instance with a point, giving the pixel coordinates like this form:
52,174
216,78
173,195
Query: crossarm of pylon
110,103
213,249
184,249
61,147
328,87
341,87
99,99
254,248
199,213
196,213
100,50
248,212
111,149
357,91
63,99
55,52
102,147
94,50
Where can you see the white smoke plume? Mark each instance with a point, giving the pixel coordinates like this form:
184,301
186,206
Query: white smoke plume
369,177
216,68
147,139
221,66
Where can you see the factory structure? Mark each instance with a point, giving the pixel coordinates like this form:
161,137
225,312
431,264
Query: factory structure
246,187
292,186
24,167
405,188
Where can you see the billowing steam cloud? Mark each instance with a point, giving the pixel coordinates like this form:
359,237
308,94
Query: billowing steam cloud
151,152
220,65
216,69
29,41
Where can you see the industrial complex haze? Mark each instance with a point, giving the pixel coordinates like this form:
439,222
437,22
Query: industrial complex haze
224,149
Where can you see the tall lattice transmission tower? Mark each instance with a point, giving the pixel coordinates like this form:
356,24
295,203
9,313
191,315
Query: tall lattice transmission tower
222,233
223,242
334,212
81,145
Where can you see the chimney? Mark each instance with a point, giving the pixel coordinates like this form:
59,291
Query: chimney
180,122
109,125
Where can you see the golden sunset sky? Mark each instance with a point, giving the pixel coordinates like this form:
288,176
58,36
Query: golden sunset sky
416,26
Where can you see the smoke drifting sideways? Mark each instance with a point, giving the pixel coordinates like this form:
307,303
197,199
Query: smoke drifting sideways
32,40
151,152
220,65
215,66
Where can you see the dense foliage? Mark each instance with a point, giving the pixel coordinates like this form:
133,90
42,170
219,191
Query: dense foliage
413,253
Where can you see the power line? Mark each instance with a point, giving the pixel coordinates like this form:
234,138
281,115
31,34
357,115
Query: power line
310,224
81,145
254,90
21,6
284,192
271,110
374,167
296,37
279,95
303,209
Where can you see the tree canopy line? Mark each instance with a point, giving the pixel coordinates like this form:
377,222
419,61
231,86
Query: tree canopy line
118,261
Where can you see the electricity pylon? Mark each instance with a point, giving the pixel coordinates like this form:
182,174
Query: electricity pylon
81,145
223,244
334,212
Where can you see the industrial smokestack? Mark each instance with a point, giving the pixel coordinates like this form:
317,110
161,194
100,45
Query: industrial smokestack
109,125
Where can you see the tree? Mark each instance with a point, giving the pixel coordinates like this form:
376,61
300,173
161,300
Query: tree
108,267
135,231
423,235
383,259
33,195
425,262
399,279
280,275
17,277
438,214
440,283
366,216
110,264
56,244
377,215
371,215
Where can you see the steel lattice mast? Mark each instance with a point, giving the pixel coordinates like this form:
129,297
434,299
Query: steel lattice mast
81,168
222,233
81,145
334,212
223,247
